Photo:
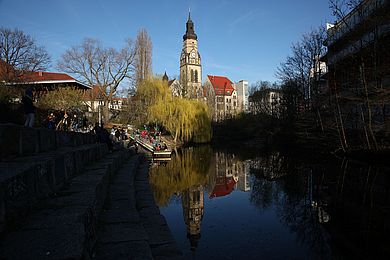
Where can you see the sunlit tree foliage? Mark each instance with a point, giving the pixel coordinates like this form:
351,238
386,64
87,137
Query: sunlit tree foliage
186,120
62,99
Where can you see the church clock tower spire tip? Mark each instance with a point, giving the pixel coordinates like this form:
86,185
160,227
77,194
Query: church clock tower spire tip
190,63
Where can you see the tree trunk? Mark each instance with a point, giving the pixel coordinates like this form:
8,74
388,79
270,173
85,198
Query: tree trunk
106,112
363,75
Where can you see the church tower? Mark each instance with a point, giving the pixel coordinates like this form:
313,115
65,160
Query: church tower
190,63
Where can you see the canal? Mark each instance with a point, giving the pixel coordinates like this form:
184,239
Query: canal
273,205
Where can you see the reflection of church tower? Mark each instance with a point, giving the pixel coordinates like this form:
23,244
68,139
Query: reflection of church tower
192,202
190,63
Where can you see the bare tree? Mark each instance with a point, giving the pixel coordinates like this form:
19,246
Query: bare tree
299,65
340,8
358,74
95,65
20,53
143,61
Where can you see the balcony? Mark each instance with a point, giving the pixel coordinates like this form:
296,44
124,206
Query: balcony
352,20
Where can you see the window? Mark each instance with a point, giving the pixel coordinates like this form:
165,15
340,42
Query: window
192,75
196,76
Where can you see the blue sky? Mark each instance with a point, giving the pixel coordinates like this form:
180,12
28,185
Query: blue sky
240,39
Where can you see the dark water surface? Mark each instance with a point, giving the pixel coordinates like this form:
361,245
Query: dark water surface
221,205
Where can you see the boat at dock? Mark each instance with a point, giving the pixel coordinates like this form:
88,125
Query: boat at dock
164,154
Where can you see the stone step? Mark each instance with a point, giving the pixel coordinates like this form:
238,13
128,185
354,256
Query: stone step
122,235
160,240
64,226
132,226
26,180
16,140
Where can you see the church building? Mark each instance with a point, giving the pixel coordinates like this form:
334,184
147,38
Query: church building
190,63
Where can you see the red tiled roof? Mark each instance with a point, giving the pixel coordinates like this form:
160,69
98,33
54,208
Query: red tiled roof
170,82
46,76
13,76
221,84
223,187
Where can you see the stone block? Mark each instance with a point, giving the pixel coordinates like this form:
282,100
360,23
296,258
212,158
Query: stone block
79,160
62,242
116,233
69,161
166,251
63,139
112,216
28,141
44,179
2,211
9,140
135,250
19,192
60,175
47,139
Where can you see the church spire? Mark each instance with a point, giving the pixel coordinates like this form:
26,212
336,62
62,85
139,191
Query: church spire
165,76
190,33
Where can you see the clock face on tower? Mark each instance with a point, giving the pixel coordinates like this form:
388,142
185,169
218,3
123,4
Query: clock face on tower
193,54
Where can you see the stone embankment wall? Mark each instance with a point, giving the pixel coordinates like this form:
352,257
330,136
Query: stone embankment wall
35,163
64,196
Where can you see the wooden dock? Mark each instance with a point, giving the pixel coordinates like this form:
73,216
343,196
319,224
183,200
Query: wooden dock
160,155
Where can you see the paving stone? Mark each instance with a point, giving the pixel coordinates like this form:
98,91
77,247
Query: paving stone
146,202
64,242
166,251
70,200
158,234
120,216
123,204
156,219
149,211
125,250
52,218
121,194
142,186
114,233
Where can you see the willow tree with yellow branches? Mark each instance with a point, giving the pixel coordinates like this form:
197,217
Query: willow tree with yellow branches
188,168
187,120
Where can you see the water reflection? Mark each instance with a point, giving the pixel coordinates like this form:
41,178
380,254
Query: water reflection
193,207
326,208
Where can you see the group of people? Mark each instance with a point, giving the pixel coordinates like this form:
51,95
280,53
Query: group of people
153,138
68,122
119,133
80,123
74,122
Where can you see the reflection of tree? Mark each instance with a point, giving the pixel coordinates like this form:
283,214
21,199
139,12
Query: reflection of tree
271,166
188,168
359,207
296,212
286,185
263,193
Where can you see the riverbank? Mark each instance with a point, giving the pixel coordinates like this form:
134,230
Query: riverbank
131,226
